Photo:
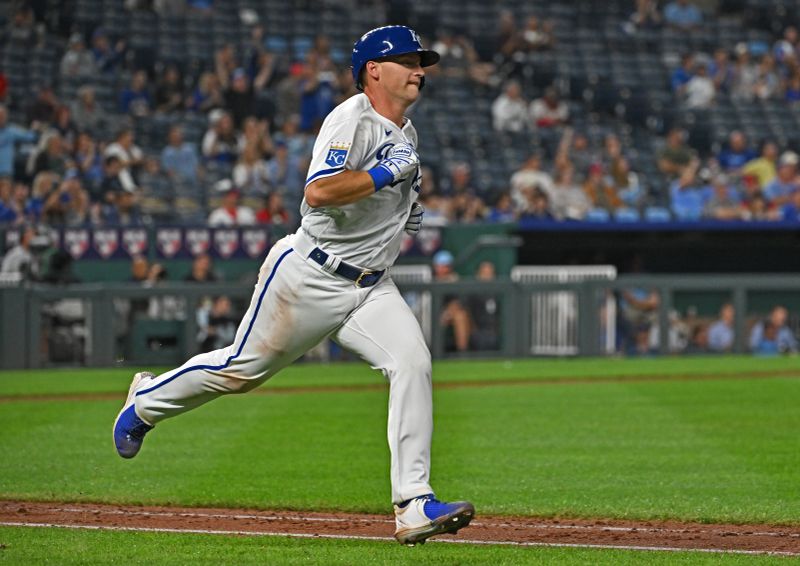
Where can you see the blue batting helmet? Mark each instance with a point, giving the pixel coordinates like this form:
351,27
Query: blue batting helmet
385,42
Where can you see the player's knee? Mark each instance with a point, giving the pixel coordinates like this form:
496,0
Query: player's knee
415,364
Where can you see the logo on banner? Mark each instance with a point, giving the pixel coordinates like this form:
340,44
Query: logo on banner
198,240
226,242
76,242
134,241
254,242
168,241
106,242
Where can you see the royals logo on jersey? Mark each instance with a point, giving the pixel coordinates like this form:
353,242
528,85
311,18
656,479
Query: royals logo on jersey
134,241
226,242
168,241
254,242
76,242
106,242
337,154
198,240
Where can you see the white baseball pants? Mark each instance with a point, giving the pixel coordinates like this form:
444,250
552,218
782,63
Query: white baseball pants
296,304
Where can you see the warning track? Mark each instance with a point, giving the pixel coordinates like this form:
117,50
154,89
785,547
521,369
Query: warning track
521,531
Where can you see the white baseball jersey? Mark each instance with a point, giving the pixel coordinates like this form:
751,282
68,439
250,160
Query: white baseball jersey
296,303
366,233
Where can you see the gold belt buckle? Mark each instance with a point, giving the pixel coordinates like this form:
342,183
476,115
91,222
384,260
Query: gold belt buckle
363,274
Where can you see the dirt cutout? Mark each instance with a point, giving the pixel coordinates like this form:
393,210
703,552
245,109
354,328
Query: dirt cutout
529,531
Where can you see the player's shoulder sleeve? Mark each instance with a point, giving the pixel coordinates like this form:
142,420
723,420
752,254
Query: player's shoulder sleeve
340,141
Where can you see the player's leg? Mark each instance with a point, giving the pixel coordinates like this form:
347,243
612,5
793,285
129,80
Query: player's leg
286,317
384,332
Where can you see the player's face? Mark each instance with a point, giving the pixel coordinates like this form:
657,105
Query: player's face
401,76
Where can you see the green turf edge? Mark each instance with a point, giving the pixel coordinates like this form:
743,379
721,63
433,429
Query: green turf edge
116,380
39,545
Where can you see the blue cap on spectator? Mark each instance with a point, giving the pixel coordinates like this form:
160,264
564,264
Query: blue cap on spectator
239,73
71,174
443,257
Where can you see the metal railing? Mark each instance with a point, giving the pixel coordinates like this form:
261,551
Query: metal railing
26,310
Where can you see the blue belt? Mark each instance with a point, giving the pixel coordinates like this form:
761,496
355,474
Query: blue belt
361,277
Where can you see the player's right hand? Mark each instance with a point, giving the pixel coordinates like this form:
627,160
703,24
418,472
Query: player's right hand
401,161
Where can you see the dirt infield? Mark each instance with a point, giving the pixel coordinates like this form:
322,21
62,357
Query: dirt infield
526,531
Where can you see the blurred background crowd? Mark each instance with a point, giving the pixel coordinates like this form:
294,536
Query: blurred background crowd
133,112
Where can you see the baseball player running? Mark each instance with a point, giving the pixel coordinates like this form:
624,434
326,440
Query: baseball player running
331,279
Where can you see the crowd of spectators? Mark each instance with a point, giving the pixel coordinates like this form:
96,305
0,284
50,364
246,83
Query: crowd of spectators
69,160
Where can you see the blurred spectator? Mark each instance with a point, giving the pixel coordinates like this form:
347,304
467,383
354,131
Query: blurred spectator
791,210
527,178
683,74
10,135
44,106
86,113
502,211
240,98
536,35
768,83
69,205
169,90
50,155
574,151
20,258
124,210
538,208
129,155
549,111
136,99
216,324
484,312
625,182
317,92
756,207
220,142
763,168
88,160
700,90
733,158
721,70
639,317
230,211
44,185
459,58
286,172
111,183
646,17
683,15
256,133
202,270
779,190
454,318
676,154
745,75
791,91
77,61
64,125
509,110
600,192
721,332
107,58
179,158
273,212
250,175
688,193
460,180
722,204
466,207
207,95
570,202
772,335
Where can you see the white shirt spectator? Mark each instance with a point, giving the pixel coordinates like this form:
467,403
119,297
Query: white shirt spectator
134,154
548,111
700,92
509,110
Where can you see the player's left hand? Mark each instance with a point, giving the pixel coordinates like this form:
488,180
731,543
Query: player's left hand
414,221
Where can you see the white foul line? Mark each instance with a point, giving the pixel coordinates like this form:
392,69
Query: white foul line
273,517
363,537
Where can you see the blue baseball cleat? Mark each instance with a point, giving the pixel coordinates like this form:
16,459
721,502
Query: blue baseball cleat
423,517
129,429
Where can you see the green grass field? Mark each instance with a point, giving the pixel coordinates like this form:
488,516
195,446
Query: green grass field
708,450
